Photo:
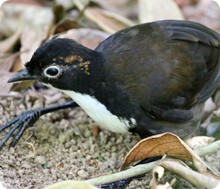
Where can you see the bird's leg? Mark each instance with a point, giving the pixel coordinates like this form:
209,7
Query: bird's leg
27,119
122,184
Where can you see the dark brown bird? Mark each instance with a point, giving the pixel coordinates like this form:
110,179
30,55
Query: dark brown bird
147,79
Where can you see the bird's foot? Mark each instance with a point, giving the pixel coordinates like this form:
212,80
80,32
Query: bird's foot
18,125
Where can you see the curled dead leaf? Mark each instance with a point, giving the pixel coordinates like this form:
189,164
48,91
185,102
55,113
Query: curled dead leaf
157,145
163,144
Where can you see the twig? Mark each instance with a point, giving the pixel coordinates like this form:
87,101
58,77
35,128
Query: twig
144,168
210,148
134,171
195,178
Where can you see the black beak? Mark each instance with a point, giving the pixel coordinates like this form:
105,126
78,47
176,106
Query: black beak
22,75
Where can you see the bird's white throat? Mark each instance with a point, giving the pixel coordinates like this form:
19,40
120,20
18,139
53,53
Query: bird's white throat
99,113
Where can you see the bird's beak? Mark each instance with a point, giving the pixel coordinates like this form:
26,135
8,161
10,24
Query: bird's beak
22,75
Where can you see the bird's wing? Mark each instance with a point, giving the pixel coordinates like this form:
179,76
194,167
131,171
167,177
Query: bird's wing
193,82
168,66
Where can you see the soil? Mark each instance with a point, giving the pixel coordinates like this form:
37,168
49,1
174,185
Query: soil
61,146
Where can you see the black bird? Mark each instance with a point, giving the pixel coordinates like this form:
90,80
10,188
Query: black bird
146,79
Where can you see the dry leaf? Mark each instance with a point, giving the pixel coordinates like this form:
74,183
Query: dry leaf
10,19
206,12
87,37
127,8
81,4
35,30
163,144
106,20
8,44
66,4
4,85
71,184
152,10
64,25
157,145
7,60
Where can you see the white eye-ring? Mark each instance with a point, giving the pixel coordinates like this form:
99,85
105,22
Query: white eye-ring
52,71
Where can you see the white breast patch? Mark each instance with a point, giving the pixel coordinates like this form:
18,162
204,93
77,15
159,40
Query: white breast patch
99,113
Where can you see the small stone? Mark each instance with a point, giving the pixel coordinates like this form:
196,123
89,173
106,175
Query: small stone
83,173
209,158
26,165
40,159
46,171
113,149
53,172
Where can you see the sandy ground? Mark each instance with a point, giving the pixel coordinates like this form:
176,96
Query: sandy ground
61,146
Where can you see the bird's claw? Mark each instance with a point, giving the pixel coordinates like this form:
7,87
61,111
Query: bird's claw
18,125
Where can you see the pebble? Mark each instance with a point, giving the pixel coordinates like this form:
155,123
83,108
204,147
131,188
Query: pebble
26,165
83,173
40,159
208,158
46,171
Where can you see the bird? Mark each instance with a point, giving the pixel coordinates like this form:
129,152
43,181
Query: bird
147,79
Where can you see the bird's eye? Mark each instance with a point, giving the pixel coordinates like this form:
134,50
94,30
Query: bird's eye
52,71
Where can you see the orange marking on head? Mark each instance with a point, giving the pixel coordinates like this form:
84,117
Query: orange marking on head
85,66
71,58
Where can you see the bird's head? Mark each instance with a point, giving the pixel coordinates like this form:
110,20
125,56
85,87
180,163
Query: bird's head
62,63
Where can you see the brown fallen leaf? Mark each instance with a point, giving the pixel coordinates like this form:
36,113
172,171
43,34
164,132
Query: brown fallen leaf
152,10
106,20
157,145
127,8
4,85
85,36
10,19
8,44
7,60
64,25
81,4
164,144
6,63
35,30
18,20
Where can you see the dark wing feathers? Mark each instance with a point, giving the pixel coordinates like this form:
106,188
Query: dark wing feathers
205,80
179,60
190,31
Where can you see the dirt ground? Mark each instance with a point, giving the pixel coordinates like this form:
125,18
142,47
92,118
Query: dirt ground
61,146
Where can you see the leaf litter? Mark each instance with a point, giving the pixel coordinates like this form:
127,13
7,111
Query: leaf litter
70,144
